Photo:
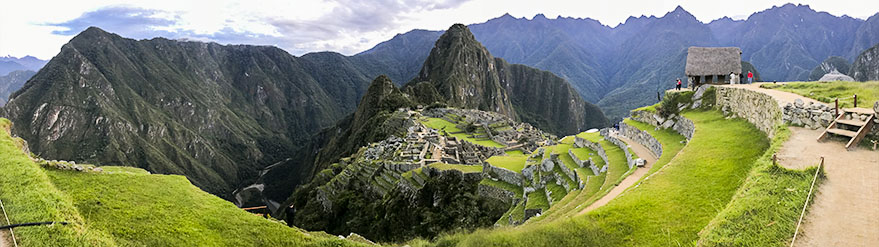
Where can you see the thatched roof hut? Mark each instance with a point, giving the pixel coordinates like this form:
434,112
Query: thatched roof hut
704,61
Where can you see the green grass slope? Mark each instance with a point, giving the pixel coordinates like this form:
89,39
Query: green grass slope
669,208
765,210
122,207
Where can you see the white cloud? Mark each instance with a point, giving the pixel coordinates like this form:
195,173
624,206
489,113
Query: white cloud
346,26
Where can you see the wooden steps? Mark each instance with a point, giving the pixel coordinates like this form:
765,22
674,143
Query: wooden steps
853,128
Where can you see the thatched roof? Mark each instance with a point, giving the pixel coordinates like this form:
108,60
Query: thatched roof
713,61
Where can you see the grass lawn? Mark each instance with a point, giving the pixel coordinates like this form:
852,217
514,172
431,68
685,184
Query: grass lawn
449,127
512,163
583,154
515,153
462,168
537,199
868,92
668,209
128,208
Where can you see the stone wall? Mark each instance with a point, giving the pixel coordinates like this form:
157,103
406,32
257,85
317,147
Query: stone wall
580,142
641,137
497,193
606,133
571,174
502,174
679,124
759,109
809,115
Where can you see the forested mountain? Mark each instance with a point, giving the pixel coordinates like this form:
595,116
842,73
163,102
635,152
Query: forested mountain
217,114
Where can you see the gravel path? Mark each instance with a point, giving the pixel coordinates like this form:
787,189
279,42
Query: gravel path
4,236
630,180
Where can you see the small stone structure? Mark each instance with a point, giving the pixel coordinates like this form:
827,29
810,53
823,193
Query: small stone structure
809,115
834,75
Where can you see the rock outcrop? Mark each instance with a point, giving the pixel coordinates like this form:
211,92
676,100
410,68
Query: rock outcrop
866,66
829,65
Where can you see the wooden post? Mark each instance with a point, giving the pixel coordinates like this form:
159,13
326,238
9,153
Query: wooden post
836,108
856,101
774,159
657,97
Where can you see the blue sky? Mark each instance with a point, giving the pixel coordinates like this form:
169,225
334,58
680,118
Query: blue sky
40,28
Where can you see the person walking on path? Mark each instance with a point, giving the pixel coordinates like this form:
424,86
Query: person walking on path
678,84
750,77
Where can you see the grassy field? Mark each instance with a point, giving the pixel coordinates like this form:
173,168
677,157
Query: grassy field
668,209
868,92
512,163
128,208
449,127
765,210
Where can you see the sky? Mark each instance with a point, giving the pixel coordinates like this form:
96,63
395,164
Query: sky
39,28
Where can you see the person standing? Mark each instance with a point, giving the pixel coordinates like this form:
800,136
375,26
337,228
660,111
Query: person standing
750,77
732,78
678,84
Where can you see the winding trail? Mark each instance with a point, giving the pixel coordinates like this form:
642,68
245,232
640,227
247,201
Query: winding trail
845,209
630,180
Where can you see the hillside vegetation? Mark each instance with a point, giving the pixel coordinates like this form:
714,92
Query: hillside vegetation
128,207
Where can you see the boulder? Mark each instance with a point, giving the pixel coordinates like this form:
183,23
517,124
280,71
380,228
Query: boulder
876,107
699,92
798,102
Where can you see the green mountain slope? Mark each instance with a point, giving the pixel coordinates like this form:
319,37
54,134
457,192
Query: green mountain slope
216,114
128,207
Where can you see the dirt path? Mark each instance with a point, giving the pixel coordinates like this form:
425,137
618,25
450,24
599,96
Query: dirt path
627,182
782,97
845,211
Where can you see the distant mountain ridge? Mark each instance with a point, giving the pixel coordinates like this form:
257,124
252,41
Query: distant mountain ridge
623,67
10,63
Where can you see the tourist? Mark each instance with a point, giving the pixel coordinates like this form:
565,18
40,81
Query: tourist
678,84
750,77
732,78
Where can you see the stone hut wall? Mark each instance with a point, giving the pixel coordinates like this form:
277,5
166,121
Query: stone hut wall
757,108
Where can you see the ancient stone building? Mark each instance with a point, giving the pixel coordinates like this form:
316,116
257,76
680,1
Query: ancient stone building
713,65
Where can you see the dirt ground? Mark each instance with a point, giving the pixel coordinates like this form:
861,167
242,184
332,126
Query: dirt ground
3,239
643,153
845,210
782,97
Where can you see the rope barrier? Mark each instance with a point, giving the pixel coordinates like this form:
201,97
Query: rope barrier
15,242
807,202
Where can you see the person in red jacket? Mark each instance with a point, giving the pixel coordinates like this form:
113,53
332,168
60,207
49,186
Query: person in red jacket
750,77
678,84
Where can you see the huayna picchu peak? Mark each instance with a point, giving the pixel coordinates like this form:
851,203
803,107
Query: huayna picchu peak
460,72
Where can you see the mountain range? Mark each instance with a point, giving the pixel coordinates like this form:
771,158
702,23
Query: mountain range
223,114
10,63
623,67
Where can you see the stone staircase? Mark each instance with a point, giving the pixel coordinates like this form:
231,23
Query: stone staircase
853,123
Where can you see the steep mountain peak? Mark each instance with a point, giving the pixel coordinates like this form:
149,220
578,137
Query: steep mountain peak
539,17
679,13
